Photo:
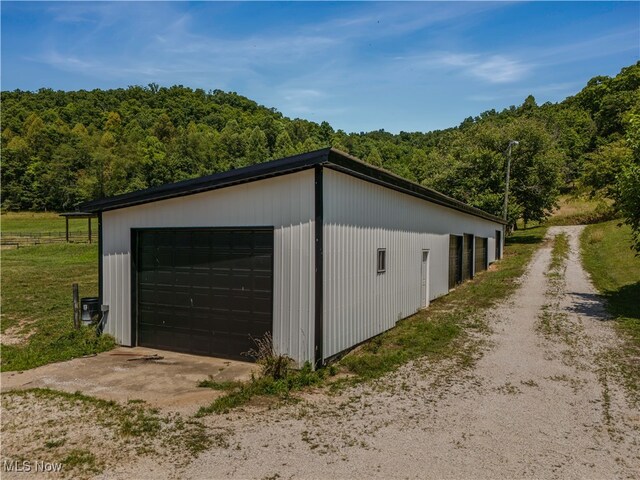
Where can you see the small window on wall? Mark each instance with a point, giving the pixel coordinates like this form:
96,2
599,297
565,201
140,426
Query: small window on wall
382,260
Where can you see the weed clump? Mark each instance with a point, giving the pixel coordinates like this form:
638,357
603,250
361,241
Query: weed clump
277,378
273,365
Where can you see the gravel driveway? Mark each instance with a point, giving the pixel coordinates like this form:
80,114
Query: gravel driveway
540,402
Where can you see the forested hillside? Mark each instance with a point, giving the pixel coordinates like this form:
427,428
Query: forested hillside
60,148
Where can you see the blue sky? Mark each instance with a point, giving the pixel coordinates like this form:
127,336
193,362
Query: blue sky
362,66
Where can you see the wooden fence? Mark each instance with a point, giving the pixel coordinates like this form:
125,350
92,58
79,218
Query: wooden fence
24,239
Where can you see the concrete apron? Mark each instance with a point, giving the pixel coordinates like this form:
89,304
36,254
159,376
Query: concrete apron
122,374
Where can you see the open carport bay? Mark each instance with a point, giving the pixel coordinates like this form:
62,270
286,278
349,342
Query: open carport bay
123,374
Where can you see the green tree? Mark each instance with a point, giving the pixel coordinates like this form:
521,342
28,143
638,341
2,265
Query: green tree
257,147
536,170
35,132
113,122
628,200
17,181
628,181
602,167
155,167
374,157
233,144
284,146
163,128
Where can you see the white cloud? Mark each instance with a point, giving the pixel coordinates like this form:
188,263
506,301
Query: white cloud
297,94
491,68
96,68
499,69
456,59
66,62
307,101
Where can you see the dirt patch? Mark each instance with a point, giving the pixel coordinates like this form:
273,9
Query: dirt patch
14,336
17,334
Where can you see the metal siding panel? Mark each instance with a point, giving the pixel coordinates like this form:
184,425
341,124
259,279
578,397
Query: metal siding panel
359,218
284,202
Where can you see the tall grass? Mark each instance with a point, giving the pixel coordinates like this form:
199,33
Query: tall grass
581,210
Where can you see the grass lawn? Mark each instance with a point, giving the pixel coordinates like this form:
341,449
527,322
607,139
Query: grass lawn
615,271
43,222
37,304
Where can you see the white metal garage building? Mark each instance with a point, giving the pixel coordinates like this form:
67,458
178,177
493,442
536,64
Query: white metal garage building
320,249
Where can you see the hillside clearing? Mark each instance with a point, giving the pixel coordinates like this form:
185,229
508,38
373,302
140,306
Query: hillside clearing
580,210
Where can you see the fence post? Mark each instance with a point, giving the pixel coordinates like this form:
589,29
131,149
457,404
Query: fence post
76,306
89,229
67,225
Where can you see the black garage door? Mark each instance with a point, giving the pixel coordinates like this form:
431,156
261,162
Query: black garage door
204,291
481,254
467,258
455,260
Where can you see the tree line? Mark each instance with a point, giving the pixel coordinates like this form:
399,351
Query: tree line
61,148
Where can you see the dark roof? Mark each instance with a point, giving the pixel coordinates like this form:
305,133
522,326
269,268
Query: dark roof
327,157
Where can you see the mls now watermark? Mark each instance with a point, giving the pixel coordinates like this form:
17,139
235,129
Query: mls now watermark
27,466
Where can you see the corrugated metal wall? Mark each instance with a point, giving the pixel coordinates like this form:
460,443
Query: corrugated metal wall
359,218
285,202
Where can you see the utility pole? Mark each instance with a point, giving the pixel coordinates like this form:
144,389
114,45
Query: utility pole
506,187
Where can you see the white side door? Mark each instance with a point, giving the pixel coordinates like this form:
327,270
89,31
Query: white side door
424,283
